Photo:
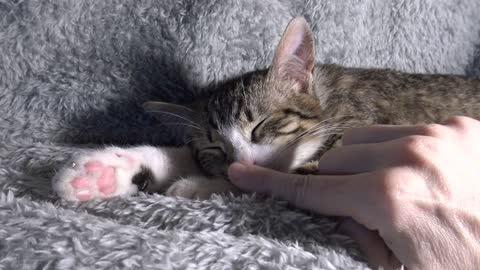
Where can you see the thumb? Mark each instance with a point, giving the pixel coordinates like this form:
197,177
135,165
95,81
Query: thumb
337,195
291,187
254,178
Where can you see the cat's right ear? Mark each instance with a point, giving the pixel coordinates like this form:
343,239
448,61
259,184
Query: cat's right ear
294,58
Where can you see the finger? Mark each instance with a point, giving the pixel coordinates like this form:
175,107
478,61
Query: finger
361,158
370,244
330,195
353,159
382,133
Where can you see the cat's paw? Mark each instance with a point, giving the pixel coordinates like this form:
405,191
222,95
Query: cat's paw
200,188
98,174
213,162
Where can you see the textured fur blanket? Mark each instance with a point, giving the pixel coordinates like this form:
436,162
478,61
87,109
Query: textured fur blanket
73,74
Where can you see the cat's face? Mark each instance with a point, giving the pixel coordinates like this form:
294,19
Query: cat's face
265,121
269,118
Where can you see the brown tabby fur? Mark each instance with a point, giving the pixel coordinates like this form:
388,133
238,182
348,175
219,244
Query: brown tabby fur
278,105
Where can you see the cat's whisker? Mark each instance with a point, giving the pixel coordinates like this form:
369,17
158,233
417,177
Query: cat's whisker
318,130
192,140
279,153
315,129
183,124
176,115
289,145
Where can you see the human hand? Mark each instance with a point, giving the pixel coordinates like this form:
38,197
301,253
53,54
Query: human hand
412,192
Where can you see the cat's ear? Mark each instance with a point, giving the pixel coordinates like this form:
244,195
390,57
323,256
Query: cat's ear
294,58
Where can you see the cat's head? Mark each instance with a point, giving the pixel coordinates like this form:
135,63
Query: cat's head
269,117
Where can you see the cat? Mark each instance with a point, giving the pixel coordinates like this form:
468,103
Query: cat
283,118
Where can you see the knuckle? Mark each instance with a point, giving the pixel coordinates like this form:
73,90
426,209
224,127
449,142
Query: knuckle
463,125
432,130
461,122
419,149
387,184
390,189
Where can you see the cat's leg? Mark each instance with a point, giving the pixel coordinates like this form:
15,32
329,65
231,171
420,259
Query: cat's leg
201,187
116,171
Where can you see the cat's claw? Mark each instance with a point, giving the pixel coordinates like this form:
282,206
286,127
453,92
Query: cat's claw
99,174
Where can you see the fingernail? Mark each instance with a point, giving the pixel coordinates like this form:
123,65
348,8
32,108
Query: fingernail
236,171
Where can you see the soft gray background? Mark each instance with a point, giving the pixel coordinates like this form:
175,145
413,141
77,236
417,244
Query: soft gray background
74,72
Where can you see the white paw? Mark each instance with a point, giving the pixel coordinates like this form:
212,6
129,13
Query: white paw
98,174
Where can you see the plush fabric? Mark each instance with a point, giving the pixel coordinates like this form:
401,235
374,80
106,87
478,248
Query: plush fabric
74,72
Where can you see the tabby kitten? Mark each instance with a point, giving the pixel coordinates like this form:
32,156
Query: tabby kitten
283,118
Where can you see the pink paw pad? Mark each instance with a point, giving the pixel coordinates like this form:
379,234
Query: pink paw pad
84,195
106,182
98,176
93,166
80,182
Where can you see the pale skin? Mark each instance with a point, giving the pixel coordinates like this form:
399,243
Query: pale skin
410,194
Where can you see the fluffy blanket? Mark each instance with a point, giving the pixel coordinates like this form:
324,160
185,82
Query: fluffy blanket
73,74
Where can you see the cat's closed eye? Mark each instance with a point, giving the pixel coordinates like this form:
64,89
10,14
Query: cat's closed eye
289,127
256,135
274,128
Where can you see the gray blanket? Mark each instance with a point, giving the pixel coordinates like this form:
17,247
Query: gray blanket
73,74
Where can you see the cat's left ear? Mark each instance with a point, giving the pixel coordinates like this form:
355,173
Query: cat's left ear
294,58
